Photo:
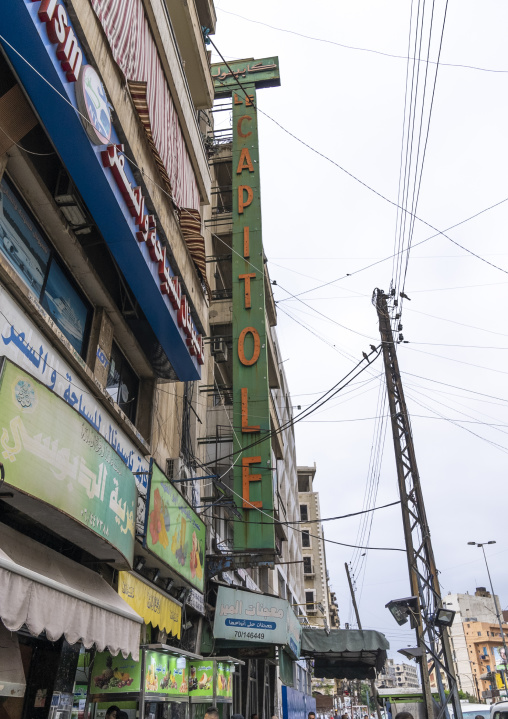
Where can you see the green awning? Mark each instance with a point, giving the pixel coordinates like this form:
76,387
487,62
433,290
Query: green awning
345,653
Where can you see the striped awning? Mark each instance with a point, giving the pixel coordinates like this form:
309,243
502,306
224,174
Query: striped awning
190,224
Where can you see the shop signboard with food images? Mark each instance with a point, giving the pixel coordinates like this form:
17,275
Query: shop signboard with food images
174,531
115,675
224,680
163,676
51,454
201,678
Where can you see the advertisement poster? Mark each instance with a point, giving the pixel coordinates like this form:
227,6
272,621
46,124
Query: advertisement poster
175,532
115,675
224,680
163,676
51,453
500,658
201,678
252,617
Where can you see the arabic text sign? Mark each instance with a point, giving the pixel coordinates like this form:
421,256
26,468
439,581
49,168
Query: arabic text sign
51,453
262,73
175,532
154,607
23,343
245,616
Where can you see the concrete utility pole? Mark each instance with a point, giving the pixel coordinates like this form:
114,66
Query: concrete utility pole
375,694
432,638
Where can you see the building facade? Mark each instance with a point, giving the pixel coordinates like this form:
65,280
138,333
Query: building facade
476,642
315,573
400,675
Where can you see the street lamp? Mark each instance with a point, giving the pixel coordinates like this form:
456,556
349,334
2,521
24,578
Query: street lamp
498,611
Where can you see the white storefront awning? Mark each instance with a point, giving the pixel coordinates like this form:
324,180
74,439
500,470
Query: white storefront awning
49,592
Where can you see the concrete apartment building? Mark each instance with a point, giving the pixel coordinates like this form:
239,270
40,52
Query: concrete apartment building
402,676
315,575
474,635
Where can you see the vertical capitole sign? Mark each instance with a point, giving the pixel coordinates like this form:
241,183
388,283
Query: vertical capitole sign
253,471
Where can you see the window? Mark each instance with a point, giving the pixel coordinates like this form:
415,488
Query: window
479,634
309,601
123,384
304,513
37,264
307,565
305,538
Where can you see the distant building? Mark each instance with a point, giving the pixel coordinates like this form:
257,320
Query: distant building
402,676
315,575
474,636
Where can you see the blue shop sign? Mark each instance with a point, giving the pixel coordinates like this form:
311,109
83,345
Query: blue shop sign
43,48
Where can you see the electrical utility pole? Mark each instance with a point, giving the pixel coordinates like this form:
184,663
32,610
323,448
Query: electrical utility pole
432,638
375,694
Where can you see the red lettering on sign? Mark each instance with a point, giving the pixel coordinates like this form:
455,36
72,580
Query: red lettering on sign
246,243
248,277
114,158
241,346
247,478
241,120
244,162
61,34
245,413
242,203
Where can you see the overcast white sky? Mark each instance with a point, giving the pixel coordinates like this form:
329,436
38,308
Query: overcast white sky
319,224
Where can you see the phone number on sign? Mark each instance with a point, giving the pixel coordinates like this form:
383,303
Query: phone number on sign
249,635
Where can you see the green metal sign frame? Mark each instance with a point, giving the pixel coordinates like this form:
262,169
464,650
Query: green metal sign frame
260,73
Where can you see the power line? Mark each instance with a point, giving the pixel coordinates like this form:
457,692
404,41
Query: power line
359,49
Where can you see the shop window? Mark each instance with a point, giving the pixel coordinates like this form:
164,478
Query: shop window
305,538
37,264
304,513
123,384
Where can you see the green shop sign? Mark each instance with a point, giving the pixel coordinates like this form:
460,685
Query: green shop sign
175,533
262,73
115,675
49,452
163,676
201,678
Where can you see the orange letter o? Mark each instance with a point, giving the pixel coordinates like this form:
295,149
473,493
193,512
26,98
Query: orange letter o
241,346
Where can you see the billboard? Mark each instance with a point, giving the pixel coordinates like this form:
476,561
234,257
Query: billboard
49,452
174,532
248,617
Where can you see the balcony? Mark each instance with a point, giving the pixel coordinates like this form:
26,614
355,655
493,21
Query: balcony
187,27
221,310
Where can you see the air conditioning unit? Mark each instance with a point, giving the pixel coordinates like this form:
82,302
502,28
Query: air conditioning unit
219,350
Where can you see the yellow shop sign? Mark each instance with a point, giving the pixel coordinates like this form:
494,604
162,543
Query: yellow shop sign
154,607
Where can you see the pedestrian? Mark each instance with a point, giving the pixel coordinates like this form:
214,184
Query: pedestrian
404,715
112,712
212,713
311,715
122,715
237,716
